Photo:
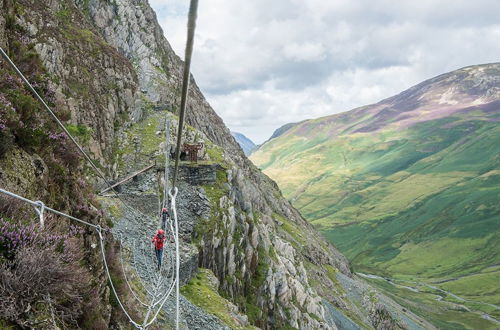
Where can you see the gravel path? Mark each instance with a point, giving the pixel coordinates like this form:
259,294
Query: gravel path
135,235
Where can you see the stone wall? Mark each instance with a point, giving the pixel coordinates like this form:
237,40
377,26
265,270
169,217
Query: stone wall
198,174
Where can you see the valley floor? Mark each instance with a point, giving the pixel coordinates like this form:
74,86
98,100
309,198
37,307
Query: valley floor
453,304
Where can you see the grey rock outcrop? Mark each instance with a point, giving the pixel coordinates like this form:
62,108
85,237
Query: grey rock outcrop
93,84
132,28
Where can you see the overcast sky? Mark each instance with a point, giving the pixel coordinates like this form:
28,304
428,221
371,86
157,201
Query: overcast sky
265,63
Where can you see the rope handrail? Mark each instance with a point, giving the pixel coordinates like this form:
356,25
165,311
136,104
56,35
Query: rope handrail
98,229
126,278
37,204
173,197
155,316
163,300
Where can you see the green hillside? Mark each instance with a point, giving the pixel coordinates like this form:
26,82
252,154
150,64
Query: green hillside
408,188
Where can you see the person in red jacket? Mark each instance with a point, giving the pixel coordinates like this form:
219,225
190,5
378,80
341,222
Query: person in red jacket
158,241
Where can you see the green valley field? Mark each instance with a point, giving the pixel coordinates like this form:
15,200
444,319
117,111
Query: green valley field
408,189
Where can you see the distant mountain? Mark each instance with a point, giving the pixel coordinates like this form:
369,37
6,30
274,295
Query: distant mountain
282,130
408,187
245,143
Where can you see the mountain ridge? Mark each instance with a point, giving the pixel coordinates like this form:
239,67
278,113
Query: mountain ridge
407,185
405,93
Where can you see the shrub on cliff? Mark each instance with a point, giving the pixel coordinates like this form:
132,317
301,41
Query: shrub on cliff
41,275
45,280
40,279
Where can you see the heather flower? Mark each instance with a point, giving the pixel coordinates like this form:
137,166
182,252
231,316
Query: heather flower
58,136
24,40
14,236
6,104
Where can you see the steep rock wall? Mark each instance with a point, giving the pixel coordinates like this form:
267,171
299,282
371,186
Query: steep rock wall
93,83
132,28
70,67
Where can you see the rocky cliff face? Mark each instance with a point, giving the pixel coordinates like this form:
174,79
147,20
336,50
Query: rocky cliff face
82,66
70,67
251,198
111,67
131,27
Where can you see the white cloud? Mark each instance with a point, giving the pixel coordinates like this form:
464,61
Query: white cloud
265,63
307,52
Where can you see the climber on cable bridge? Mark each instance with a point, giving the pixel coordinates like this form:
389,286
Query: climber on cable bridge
158,241
164,216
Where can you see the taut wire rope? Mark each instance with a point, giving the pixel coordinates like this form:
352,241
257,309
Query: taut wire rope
192,15
167,162
96,227
37,204
193,9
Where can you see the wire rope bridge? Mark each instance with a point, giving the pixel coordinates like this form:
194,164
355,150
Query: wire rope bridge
165,283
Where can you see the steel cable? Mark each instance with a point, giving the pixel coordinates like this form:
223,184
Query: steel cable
193,9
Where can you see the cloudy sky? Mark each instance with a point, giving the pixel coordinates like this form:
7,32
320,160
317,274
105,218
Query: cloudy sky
265,63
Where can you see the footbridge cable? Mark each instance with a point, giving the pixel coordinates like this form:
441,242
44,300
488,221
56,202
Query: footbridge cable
96,227
101,239
192,15
193,9
43,207
158,297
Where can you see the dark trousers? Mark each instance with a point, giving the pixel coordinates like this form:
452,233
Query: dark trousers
163,221
159,254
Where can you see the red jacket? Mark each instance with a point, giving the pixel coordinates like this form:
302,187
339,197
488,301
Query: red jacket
158,241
